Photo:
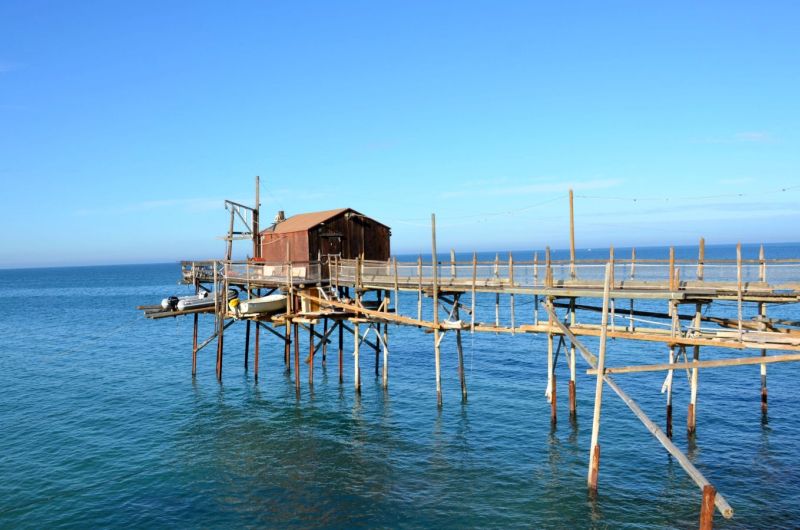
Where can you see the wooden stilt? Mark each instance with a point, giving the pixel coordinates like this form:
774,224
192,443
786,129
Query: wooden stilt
553,401
385,344
436,352
246,344
377,346
474,287
573,407
194,346
670,374
296,335
511,284
220,344
257,348
356,367
497,295
707,507
549,389
762,312
691,417
594,453
571,237
461,373
324,342
311,354
287,344
341,352
419,288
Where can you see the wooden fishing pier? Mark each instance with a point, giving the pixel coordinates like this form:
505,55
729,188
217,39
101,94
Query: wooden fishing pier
353,285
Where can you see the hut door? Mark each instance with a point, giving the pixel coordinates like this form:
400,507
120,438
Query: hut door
331,244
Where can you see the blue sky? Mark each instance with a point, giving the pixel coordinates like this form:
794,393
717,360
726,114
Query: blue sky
123,126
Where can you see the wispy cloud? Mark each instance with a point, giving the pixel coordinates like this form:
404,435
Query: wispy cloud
6,66
742,181
750,137
505,187
754,136
196,205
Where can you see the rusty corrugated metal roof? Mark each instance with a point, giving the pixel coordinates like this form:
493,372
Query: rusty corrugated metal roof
304,221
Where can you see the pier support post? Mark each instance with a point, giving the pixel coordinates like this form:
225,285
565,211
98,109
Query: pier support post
324,342
762,311
691,416
436,332
673,306
572,369
194,346
341,352
287,344
220,344
549,389
707,508
356,368
460,349
385,343
257,347
296,360
594,452
311,354
246,344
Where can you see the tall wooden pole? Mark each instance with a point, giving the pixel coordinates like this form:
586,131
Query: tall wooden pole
762,311
194,346
594,453
571,236
573,407
356,367
435,259
311,354
255,361
341,351
385,373
297,360
256,213
461,372
691,417
246,344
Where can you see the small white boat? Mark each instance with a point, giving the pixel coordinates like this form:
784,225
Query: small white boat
173,301
204,299
274,303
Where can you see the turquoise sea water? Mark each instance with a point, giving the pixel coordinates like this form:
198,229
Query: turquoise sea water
103,426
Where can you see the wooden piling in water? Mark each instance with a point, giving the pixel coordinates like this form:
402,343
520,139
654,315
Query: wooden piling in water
356,367
573,406
511,285
325,341
460,351
436,351
194,345
385,343
296,335
341,351
691,416
594,452
762,312
311,354
246,344
257,348
707,507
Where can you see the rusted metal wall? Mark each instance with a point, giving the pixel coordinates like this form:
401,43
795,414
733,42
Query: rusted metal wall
274,247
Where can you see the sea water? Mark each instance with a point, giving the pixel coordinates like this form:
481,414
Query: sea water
102,425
